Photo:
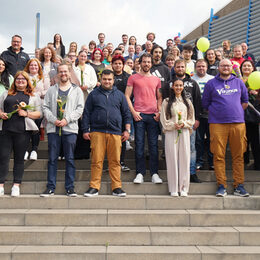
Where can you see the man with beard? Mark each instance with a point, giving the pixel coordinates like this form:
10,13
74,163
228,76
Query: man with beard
193,93
105,111
201,77
225,97
101,38
62,131
14,57
147,105
160,70
121,78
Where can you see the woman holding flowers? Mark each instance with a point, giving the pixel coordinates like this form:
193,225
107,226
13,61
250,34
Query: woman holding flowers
85,74
34,69
19,107
177,118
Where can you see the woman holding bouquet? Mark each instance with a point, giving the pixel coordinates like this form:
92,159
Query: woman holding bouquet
34,69
177,118
19,107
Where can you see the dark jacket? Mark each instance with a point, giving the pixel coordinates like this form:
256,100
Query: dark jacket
162,72
105,111
192,91
15,61
213,68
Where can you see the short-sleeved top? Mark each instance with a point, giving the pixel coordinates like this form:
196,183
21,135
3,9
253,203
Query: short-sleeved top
16,123
145,92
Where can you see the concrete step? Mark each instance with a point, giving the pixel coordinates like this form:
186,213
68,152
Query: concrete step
103,217
136,202
84,175
129,252
146,188
139,236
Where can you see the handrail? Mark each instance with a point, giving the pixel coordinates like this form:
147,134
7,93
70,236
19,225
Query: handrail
248,22
212,16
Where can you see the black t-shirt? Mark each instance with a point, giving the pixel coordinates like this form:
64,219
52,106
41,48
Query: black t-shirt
121,81
16,123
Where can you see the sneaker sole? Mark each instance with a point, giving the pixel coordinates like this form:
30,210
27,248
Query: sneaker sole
90,195
125,170
241,195
138,182
157,182
72,195
119,195
221,195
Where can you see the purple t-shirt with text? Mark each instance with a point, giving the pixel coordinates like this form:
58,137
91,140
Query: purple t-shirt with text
223,99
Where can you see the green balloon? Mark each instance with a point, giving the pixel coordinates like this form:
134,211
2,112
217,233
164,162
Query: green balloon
254,80
203,44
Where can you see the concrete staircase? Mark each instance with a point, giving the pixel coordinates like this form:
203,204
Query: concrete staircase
147,224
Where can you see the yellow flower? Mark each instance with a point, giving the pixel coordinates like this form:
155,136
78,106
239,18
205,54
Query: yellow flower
59,100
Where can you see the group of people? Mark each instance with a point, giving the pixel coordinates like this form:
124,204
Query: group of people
100,97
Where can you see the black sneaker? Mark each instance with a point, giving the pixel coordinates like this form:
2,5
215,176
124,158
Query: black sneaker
91,192
71,193
194,178
124,168
118,192
198,168
48,192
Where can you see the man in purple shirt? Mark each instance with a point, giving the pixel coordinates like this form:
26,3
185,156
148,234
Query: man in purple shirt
225,97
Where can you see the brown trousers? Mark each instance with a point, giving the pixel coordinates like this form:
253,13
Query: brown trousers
100,144
235,134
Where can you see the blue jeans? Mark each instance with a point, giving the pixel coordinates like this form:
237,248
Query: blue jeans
201,131
151,126
68,142
193,153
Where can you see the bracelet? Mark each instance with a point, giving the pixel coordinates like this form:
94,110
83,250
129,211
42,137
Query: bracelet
27,114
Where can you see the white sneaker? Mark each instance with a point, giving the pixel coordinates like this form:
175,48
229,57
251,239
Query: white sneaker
128,145
174,194
139,178
156,179
33,156
184,194
15,192
2,191
26,155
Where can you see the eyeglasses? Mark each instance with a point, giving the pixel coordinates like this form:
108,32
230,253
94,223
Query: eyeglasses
20,79
228,66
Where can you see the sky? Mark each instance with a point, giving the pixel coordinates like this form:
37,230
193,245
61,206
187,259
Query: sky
82,20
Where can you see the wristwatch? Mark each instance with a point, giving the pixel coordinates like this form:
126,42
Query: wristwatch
128,130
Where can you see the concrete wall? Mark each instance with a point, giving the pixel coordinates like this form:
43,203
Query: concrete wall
204,27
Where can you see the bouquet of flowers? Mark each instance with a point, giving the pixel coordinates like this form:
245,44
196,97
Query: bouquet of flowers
179,123
21,105
61,102
81,78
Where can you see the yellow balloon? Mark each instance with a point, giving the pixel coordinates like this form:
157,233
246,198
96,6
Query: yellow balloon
203,44
254,80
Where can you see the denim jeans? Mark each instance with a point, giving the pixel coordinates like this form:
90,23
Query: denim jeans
149,125
68,142
201,131
193,153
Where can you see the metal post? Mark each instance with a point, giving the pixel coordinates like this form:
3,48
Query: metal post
37,33
248,22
